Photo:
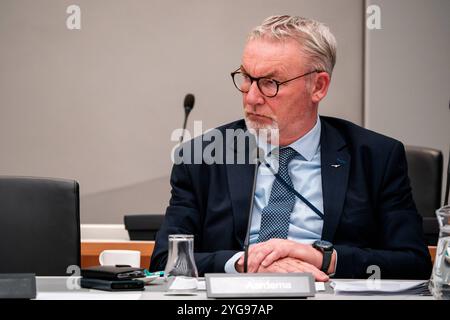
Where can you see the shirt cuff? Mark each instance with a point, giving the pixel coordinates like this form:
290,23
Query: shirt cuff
229,266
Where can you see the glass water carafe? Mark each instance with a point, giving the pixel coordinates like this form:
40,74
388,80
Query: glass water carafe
180,261
440,277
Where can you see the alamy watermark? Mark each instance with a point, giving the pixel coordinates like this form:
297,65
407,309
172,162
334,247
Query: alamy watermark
73,281
73,21
373,282
373,20
226,146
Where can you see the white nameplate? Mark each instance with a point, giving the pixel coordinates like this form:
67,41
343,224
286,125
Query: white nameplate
260,285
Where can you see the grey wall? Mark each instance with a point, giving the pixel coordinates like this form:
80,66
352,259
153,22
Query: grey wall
408,73
99,105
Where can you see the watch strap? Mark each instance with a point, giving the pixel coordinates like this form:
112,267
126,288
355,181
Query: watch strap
326,260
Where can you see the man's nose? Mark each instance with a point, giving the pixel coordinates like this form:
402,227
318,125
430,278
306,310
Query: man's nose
254,96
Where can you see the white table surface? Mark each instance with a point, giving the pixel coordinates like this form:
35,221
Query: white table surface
66,288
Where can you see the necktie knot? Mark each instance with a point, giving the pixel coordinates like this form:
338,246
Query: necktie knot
286,155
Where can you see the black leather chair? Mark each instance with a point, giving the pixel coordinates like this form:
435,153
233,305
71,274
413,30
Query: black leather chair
39,225
425,169
143,226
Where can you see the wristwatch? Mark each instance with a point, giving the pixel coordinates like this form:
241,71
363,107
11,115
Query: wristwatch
326,248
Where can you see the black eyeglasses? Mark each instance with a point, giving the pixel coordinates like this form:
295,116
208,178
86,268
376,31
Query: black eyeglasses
268,87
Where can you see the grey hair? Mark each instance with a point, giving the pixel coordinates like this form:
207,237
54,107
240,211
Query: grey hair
315,38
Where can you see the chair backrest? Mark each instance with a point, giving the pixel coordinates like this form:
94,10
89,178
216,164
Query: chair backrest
425,169
143,226
39,225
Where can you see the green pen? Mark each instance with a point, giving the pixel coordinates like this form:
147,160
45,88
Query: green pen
151,274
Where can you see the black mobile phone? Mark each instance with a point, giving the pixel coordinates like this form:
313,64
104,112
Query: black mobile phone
112,285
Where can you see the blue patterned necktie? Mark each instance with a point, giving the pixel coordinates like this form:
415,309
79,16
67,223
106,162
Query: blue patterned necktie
275,216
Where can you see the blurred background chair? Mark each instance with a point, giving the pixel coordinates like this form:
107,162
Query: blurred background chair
143,226
425,169
39,225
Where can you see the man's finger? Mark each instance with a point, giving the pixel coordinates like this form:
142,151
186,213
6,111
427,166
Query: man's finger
318,274
271,258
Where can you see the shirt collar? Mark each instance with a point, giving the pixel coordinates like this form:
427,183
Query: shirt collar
306,145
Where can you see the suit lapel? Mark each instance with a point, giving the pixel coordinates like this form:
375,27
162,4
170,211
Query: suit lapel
240,177
335,169
240,182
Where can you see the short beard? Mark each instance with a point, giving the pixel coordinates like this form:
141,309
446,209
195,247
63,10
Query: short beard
266,133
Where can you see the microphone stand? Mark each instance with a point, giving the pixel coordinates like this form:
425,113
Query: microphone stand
250,214
184,126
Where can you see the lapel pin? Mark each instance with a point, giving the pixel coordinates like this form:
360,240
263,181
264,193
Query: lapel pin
339,163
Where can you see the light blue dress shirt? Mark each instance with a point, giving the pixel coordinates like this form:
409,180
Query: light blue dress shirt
305,226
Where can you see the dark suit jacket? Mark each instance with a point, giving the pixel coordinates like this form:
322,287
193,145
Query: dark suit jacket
370,215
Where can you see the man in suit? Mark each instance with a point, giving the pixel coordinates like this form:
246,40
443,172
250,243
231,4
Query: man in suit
331,198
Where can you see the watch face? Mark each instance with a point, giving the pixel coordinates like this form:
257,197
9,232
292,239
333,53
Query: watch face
325,245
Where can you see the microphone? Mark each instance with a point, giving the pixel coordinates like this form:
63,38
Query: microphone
257,155
188,105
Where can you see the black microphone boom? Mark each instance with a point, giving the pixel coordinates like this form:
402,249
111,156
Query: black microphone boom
188,105
448,182
257,155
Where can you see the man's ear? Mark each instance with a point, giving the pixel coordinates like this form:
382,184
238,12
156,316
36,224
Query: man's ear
320,86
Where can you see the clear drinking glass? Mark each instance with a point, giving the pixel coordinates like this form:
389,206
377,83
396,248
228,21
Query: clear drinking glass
440,278
180,261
